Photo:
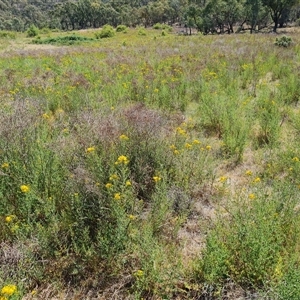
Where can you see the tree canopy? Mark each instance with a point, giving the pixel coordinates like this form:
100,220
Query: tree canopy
207,16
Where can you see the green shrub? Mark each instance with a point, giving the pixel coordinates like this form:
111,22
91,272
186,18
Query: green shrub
45,30
106,32
142,31
62,40
283,41
157,26
7,34
121,28
32,31
252,244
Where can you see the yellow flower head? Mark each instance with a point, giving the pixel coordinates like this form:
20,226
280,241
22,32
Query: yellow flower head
117,196
9,290
251,196
128,183
188,146
108,185
139,273
176,152
156,178
5,165
196,142
223,179
248,172
180,131
208,147
9,218
90,150
172,147
131,217
256,180
24,188
124,137
114,177
122,160
295,158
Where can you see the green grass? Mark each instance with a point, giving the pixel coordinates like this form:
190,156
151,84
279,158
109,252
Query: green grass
117,154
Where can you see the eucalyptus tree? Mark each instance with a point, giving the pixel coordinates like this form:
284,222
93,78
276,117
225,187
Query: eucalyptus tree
277,8
256,16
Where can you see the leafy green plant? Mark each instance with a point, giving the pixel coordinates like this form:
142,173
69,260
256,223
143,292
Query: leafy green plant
283,41
254,242
106,32
62,40
32,31
122,28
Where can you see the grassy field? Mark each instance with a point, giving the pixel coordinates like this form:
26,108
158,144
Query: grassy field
149,165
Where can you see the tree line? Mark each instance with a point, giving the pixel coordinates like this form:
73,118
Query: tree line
206,16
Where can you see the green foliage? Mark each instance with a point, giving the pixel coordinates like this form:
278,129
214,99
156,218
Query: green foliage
62,40
253,244
7,34
32,31
106,32
288,287
283,41
269,118
142,31
160,26
122,28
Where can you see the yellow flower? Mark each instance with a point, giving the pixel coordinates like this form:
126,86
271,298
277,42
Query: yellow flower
156,178
176,152
128,183
25,188
295,158
172,147
124,137
108,185
196,142
9,290
90,150
155,90
256,180
208,147
223,179
188,146
46,116
248,172
9,218
122,160
139,273
131,217
113,177
180,131
5,165
117,196
251,196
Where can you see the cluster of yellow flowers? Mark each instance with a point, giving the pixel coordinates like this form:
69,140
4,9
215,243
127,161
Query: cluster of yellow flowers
156,178
122,160
7,291
25,188
124,137
90,150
